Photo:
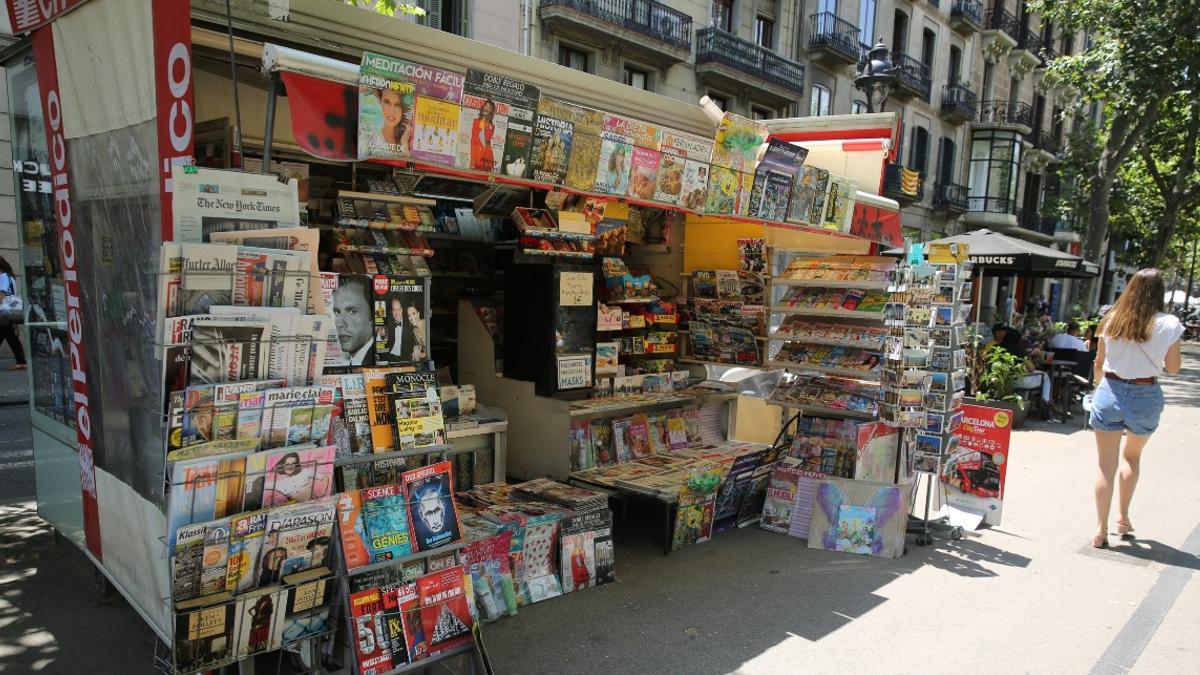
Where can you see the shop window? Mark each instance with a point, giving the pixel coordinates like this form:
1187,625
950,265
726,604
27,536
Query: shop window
819,103
636,77
761,113
764,32
722,15
574,58
858,107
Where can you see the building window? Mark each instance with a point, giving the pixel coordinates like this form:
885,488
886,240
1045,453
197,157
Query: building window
994,172
928,45
722,15
989,77
819,105
955,69
866,21
764,32
719,100
574,58
947,171
1014,90
918,153
900,33
761,113
858,107
636,77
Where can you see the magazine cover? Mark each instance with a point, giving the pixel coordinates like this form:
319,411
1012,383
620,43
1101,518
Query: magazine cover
435,131
781,496
204,638
416,409
686,145
433,517
539,576
445,616
306,611
187,560
228,351
388,91
259,615
676,433
669,185
214,569
386,521
204,489
586,546
491,576
737,143
299,239
497,110
392,594
657,432
602,442
208,276
372,646
839,204
298,475
612,171
622,436
380,411
808,196
582,455
403,598
246,534
694,192
773,179
607,360
643,175
734,489
352,530
401,319
551,148
298,539
295,415
723,186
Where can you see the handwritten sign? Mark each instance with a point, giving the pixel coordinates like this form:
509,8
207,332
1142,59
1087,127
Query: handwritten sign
574,289
575,372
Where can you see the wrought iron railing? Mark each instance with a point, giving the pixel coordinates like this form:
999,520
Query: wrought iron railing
895,186
648,17
950,195
960,99
1002,20
1044,140
1029,41
912,73
714,45
827,30
1006,112
1036,222
968,10
992,205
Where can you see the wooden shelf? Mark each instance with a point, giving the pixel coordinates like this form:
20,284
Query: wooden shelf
826,341
809,409
395,199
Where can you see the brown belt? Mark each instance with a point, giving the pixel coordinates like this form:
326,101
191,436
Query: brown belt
1136,380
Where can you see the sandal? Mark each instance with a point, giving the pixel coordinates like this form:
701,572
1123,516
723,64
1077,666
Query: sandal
1100,541
18,366
1124,527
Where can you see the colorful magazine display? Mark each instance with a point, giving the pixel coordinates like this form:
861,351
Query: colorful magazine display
432,514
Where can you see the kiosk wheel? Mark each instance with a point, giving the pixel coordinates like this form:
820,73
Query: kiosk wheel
956,534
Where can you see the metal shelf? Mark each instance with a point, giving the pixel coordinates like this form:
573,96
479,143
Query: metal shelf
831,283
824,341
809,409
420,555
379,197
828,313
840,372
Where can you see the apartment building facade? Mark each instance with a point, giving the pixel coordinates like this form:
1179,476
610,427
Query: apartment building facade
980,121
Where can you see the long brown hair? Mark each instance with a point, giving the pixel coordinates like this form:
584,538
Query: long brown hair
1132,318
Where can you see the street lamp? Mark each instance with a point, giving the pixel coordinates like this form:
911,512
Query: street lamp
877,76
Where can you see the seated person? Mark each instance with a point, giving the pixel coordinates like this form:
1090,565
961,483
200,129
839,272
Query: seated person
1010,340
1069,339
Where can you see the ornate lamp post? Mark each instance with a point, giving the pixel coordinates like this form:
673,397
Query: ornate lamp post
876,77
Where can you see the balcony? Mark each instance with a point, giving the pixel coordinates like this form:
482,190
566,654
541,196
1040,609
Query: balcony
1012,115
912,77
831,40
724,61
1026,55
991,212
950,197
966,16
1045,143
904,185
959,103
1032,221
1000,32
645,29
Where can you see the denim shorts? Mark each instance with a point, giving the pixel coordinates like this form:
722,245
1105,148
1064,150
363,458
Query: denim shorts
1121,406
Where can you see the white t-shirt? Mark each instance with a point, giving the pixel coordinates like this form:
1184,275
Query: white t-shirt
1133,360
1064,341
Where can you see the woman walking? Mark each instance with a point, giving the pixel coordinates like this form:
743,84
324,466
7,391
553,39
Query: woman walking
8,330
1137,343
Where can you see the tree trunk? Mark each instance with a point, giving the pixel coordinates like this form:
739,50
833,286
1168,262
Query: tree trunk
1167,222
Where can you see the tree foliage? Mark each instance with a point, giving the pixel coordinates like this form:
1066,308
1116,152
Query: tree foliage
1142,53
388,7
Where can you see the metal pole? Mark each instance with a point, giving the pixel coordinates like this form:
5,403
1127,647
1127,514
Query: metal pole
269,132
237,104
1187,299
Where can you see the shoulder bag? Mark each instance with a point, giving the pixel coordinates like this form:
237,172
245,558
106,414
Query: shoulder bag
12,308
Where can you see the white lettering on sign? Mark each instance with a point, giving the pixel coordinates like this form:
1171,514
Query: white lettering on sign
575,372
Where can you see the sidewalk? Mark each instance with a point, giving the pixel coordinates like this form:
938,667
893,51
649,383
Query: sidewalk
14,384
1029,596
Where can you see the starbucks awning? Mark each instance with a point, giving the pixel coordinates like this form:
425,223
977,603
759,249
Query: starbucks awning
999,254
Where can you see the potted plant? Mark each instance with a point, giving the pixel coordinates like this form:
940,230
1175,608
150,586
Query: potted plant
994,377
